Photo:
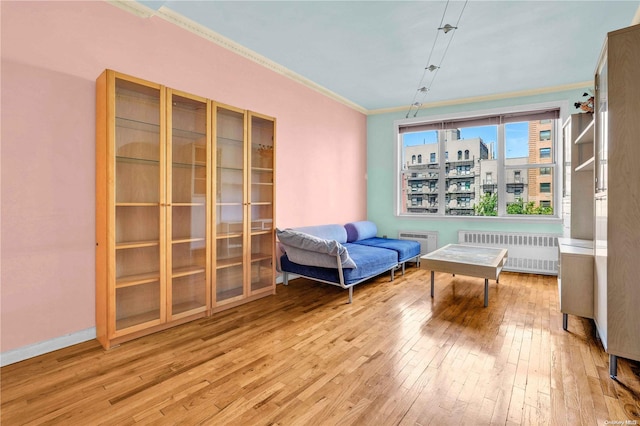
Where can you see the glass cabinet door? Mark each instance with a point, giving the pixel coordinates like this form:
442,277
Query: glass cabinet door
138,158
261,195
230,155
187,213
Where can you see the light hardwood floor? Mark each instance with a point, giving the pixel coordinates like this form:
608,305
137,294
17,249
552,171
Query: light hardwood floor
304,356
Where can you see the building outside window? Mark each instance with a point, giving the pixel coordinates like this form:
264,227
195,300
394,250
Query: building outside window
545,135
419,158
503,149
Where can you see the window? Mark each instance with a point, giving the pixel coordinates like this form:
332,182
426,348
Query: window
545,135
419,158
545,152
499,167
413,159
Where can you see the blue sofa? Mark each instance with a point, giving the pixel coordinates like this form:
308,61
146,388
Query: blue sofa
342,255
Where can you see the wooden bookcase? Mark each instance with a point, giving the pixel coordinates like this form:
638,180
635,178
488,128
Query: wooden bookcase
160,207
244,249
617,196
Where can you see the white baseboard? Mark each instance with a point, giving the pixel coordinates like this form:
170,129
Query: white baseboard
30,351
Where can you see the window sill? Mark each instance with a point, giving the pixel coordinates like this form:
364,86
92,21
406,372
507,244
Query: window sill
511,219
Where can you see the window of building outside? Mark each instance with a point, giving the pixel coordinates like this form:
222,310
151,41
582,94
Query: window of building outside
545,152
503,171
545,135
419,158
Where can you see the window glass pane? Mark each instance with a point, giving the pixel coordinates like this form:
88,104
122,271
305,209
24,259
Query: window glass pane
529,191
468,182
475,147
419,192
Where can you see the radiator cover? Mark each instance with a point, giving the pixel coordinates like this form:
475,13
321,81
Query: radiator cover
528,252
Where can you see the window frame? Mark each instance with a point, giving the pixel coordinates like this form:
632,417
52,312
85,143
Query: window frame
499,178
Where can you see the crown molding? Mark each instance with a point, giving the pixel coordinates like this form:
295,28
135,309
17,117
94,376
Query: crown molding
200,30
487,98
133,7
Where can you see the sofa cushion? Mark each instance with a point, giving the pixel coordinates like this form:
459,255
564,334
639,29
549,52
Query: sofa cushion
371,261
406,249
360,230
307,249
327,232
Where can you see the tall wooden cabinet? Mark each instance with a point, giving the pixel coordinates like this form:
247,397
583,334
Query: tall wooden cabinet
244,205
617,196
165,189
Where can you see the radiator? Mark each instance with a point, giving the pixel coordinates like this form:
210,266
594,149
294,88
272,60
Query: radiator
428,239
533,253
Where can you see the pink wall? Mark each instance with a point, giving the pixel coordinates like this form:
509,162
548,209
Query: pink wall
51,54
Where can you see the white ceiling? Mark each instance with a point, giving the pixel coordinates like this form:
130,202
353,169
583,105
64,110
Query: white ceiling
373,53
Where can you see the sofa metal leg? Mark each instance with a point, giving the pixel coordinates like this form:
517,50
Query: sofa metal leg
285,278
350,294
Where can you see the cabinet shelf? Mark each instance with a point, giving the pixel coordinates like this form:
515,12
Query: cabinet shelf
229,262
262,169
136,244
587,135
174,204
134,204
137,279
229,141
137,320
587,165
129,123
187,270
260,231
225,236
233,169
138,160
258,257
187,134
196,164
186,240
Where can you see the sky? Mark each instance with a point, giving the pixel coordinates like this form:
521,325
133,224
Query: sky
516,135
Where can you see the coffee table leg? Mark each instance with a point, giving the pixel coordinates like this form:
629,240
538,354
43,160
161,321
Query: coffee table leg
486,292
432,274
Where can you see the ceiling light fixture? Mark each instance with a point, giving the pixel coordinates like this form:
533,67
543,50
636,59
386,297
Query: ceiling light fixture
423,89
447,28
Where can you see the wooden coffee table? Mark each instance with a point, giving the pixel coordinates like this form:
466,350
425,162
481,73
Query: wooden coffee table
473,261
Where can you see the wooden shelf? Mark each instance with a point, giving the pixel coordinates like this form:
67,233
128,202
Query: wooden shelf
136,244
257,257
229,262
587,135
187,270
186,240
137,279
587,165
221,236
137,204
138,319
